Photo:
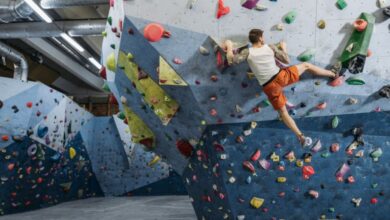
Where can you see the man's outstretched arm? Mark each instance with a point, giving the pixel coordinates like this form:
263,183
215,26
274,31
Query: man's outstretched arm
290,123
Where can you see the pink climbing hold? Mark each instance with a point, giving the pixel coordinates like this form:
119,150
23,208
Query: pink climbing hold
334,147
213,112
11,166
342,171
360,25
321,106
369,53
112,3
177,61
222,9
247,165
337,82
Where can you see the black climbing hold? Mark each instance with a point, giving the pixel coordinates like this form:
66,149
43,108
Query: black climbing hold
1,104
350,162
356,65
386,11
30,132
302,105
384,92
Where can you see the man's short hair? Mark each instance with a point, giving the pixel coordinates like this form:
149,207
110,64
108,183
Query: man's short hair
254,35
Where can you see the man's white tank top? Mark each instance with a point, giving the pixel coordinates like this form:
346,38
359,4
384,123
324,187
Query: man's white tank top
262,63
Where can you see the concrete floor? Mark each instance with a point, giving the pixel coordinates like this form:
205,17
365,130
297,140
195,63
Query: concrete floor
118,208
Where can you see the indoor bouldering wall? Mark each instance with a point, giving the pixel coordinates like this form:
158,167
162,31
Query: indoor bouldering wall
43,158
52,151
216,127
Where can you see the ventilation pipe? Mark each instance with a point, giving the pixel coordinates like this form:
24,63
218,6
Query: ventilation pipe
74,28
50,4
20,62
14,10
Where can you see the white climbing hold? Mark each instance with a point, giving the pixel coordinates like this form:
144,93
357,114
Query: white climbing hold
260,7
382,3
280,27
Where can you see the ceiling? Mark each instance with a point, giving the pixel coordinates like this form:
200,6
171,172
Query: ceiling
46,65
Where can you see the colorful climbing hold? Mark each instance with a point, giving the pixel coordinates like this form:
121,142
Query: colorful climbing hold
307,172
290,17
355,81
376,154
341,4
321,24
248,165
222,9
4,138
335,147
314,194
360,25
307,55
321,106
335,122
256,202
249,4
256,155
72,152
316,147
110,62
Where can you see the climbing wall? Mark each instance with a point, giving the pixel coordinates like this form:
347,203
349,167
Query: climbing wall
213,123
120,165
42,156
52,150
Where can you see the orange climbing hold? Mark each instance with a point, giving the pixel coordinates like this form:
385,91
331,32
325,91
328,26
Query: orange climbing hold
5,138
154,32
29,104
360,25
222,9
307,172
321,106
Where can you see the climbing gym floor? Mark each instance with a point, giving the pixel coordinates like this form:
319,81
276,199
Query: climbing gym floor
118,208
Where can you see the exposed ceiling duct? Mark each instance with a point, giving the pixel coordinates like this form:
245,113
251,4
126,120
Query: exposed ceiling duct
14,10
20,62
50,4
74,28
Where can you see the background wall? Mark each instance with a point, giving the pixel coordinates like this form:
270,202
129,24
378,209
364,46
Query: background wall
300,35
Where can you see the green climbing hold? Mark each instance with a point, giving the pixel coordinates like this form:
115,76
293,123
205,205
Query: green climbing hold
325,155
121,115
290,17
105,87
266,103
374,185
111,63
331,209
355,81
109,20
112,46
104,33
307,55
335,122
376,154
341,4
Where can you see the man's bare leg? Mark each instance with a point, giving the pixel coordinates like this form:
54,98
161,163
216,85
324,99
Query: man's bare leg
290,123
315,70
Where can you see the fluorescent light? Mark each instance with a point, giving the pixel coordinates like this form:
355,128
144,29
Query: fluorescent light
95,62
72,42
39,11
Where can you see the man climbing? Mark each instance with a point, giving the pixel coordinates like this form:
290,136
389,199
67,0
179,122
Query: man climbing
262,59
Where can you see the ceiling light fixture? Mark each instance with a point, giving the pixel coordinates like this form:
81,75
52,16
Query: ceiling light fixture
95,62
39,11
72,42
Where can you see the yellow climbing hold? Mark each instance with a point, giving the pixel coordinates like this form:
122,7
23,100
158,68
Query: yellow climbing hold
281,179
111,63
256,202
72,152
299,163
154,160
168,76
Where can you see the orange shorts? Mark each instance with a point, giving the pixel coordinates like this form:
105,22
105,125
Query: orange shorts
274,89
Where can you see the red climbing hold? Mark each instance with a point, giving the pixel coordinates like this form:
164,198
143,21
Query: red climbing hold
29,104
112,2
213,112
39,180
220,62
184,147
321,106
103,72
121,25
154,32
222,9
307,172
337,82
11,166
5,138
147,142
247,165
112,100
256,155
374,201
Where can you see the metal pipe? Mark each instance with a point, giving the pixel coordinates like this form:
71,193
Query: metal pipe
14,10
20,62
50,4
75,28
